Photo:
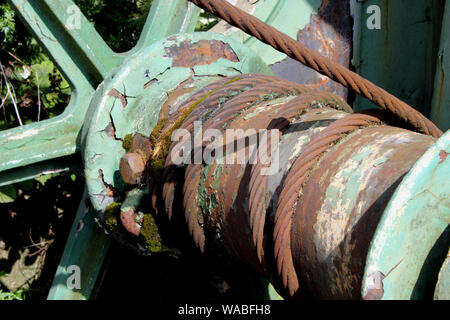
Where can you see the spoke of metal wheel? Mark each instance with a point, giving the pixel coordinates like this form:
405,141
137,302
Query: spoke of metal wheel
83,58
85,249
166,18
70,39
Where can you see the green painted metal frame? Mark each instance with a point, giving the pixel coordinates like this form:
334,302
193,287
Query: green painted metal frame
278,14
442,290
412,238
85,60
422,84
397,57
440,108
86,247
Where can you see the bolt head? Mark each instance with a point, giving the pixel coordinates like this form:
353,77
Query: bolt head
141,144
132,167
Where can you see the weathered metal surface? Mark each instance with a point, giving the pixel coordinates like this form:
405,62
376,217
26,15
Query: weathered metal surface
130,217
265,189
328,32
287,16
412,238
322,243
207,107
85,248
442,290
187,54
216,195
103,152
132,168
85,60
397,56
342,202
36,170
151,84
224,114
134,163
164,19
325,66
440,108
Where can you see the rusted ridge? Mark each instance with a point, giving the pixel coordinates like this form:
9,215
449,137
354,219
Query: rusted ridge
330,238
188,54
290,111
202,112
225,114
292,188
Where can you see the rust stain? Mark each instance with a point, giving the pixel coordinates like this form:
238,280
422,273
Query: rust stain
335,229
128,219
148,84
376,291
329,32
443,155
188,54
110,131
321,83
121,96
441,85
174,95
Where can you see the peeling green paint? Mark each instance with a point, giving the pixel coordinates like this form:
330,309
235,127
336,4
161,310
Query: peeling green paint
412,236
145,100
112,213
440,108
397,56
288,17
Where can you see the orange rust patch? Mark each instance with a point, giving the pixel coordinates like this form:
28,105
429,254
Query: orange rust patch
116,94
187,54
443,155
174,95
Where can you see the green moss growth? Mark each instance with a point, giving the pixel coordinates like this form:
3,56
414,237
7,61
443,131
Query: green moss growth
126,143
112,213
149,232
156,132
162,140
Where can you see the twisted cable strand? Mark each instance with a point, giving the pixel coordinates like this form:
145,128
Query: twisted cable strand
294,49
298,176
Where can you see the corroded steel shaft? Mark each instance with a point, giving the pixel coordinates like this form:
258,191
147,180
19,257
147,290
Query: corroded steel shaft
319,63
306,222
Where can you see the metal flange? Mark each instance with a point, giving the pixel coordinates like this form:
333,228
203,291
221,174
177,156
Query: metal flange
149,84
412,239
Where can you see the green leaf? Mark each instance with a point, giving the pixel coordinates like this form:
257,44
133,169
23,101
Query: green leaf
43,69
44,178
50,100
18,295
7,194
